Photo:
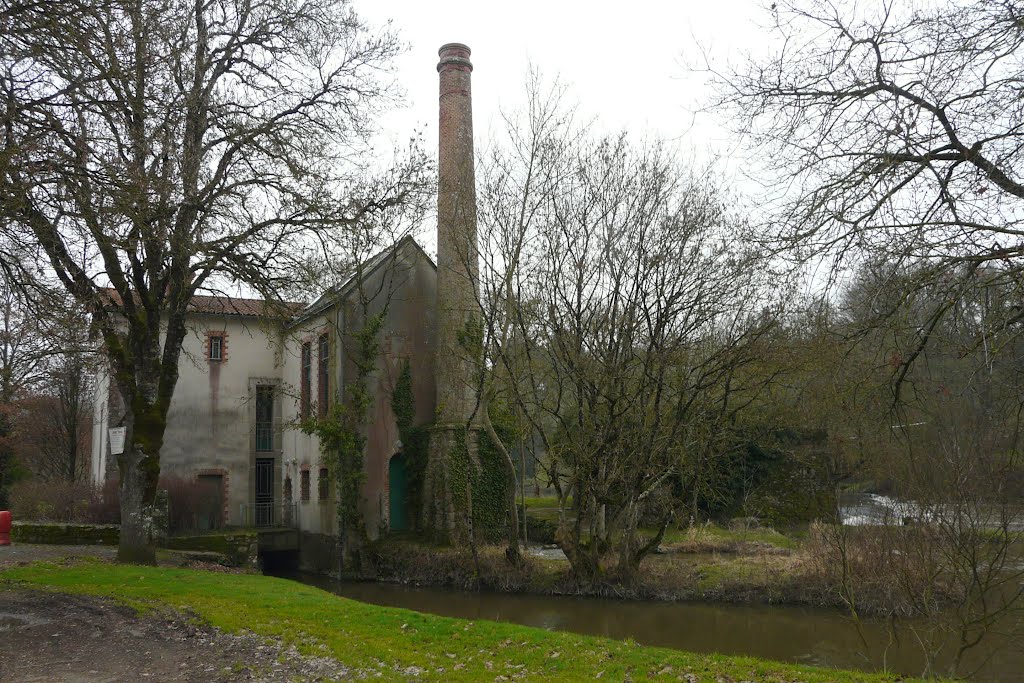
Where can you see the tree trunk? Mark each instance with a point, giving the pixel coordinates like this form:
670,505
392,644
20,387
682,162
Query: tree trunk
633,554
512,553
6,454
139,467
342,540
585,561
584,558
522,488
138,489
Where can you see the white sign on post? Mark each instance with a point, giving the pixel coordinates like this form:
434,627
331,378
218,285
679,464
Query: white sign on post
116,440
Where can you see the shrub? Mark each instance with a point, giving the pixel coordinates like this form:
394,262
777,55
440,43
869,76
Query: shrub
886,569
62,501
106,507
192,505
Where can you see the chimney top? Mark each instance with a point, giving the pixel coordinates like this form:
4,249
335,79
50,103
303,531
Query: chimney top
454,56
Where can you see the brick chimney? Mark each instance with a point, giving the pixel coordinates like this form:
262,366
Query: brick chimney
457,268
457,309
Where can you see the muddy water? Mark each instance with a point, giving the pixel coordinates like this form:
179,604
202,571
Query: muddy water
794,634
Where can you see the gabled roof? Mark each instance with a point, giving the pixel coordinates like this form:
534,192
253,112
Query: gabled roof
255,308
367,268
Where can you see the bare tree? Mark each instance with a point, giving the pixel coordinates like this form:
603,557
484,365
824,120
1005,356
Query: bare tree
948,452
520,177
616,306
946,555
54,421
25,353
890,129
151,150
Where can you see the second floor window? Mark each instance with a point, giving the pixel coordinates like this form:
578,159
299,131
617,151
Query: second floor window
264,418
323,484
305,379
304,485
324,372
216,347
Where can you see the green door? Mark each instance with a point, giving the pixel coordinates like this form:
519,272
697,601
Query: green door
399,515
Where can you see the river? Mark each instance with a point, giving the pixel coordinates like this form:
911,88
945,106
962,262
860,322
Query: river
794,634
870,509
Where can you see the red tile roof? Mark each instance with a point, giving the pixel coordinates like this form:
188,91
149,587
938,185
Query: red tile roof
230,305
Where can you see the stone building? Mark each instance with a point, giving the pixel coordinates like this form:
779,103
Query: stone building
248,378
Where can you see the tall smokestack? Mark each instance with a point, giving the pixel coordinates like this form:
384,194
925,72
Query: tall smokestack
457,309
456,233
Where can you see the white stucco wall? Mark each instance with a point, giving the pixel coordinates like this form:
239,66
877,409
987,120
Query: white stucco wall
211,424
211,421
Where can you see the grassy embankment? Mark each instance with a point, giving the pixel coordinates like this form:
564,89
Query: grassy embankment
396,643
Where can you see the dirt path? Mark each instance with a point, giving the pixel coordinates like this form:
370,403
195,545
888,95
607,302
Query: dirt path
76,639
52,637
23,553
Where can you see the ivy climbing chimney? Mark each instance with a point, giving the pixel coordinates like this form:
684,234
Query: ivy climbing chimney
445,492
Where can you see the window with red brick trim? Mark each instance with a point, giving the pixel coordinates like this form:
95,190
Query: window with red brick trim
323,485
305,379
216,347
304,485
323,375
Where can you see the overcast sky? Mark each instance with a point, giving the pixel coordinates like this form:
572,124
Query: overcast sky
625,62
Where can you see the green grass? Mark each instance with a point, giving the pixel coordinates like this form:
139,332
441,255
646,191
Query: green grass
387,641
543,502
712,535
706,537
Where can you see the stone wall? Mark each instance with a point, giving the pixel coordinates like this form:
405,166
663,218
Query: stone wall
52,533
238,548
231,548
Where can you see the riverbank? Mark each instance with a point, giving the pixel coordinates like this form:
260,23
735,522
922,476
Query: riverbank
393,644
713,564
805,567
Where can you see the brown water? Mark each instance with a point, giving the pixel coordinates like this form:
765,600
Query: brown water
794,634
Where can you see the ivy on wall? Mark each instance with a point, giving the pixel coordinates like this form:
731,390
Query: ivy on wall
415,440
490,492
487,482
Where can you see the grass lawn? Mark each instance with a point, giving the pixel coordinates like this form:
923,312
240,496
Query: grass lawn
389,641
706,537
712,535
542,502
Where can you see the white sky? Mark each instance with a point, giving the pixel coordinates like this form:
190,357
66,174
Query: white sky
625,62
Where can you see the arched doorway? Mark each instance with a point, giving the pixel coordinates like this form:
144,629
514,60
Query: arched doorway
397,491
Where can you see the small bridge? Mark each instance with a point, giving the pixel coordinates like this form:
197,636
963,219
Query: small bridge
275,524
277,539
